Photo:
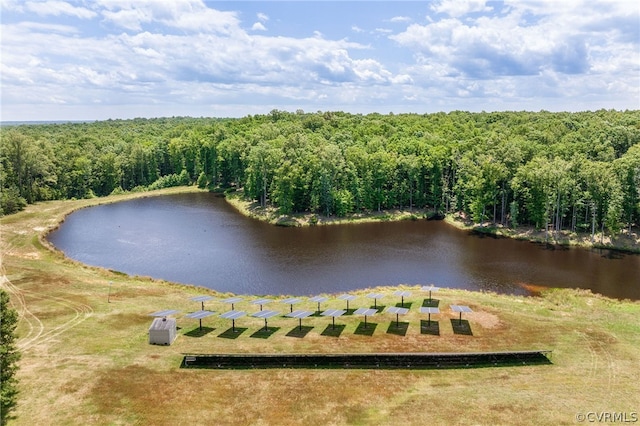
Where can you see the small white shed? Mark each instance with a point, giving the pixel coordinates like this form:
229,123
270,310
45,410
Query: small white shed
162,331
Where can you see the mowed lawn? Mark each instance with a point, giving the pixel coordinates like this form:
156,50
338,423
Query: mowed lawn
83,335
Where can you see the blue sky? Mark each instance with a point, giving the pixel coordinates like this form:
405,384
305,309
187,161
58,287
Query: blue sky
100,59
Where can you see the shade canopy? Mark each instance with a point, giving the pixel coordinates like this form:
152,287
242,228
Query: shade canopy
202,298
291,301
333,313
199,314
398,311
460,309
347,297
402,294
375,297
232,300
265,315
164,313
366,312
318,299
429,311
233,316
261,302
299,314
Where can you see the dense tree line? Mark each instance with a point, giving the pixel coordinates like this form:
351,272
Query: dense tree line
9,357
577,171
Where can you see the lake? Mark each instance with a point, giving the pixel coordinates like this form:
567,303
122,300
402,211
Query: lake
199,239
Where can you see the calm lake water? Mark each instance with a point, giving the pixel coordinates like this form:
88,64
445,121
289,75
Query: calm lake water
199,239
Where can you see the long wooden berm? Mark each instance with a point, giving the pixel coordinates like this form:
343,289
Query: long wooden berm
419,360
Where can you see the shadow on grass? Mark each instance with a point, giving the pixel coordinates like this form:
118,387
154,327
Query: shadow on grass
398,328
368,331
231,334
405,305
197,332
265,334
300,332
380,308
433,303
430,327
461,327
332,331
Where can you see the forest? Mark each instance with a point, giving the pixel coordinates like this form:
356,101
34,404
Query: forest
563,171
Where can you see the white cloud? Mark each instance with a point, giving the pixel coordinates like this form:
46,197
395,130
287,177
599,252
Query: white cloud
457,8
187,15
258,27
57,8
182,57
500,45
396,19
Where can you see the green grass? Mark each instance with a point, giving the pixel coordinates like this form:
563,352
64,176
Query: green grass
86,360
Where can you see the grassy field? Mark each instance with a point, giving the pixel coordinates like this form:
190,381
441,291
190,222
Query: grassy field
86,360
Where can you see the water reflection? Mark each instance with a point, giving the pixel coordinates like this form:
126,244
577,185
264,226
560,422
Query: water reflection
199,239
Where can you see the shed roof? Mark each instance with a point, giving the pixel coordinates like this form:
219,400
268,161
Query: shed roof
163,324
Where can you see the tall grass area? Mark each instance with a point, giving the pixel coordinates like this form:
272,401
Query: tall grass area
86,357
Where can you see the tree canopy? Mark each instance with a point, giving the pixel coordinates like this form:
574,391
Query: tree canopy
9,357
578,171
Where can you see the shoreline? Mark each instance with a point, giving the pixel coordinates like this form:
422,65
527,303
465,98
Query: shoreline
623,243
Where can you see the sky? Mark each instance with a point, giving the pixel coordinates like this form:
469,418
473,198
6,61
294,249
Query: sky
119,59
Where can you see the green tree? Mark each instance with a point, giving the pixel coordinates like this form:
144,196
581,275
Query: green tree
9,357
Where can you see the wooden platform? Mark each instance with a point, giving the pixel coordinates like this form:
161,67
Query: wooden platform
420,360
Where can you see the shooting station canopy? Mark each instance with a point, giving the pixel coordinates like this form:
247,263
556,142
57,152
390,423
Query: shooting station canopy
232,300
398,311
366,312
261,302
299,314
318,299
347,297
429,311
233,316
430,288
460,309
164,313
202,299
291,301
333,313
265,315
402,294
375,297
199,315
